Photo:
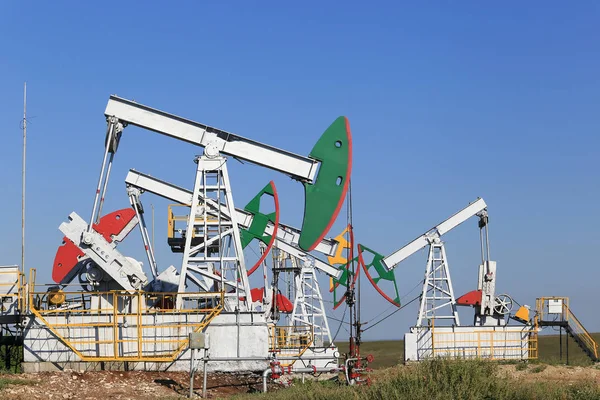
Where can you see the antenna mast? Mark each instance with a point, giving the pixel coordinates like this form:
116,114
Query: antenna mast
23,178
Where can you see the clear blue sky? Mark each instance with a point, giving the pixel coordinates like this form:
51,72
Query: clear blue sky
447,102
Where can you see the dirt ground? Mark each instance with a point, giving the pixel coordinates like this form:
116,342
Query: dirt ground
175,385
548,373
125,385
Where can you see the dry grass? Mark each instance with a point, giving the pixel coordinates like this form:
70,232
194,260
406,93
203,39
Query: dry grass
439,380
388,353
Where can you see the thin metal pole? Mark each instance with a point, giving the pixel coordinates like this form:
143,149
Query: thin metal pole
205,375
487,240
110,161
191,394
153,248
560,342
567,340
23,194
109,136
482,249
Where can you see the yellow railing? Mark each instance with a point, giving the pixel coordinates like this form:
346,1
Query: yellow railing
566,315
122,326
541,306
290,337
173,218
580,331
533,344
291,341
485,344
14,289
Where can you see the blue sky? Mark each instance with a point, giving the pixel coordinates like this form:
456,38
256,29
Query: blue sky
447,102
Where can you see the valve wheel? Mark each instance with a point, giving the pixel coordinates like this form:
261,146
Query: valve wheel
503,304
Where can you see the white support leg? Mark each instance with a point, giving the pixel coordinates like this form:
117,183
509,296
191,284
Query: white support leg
437,298
213,249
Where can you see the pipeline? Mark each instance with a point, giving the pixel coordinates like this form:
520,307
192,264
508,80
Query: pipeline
265,358
265,375
353,374
275,370
346,369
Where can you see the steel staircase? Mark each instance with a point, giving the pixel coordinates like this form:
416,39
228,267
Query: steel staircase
580,335
560,314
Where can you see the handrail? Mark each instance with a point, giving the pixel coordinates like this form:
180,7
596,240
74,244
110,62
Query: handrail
484,343
143,346
14,289
74,333
293,340
581,332
567,317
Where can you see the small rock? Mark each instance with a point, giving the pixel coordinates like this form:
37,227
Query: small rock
74,376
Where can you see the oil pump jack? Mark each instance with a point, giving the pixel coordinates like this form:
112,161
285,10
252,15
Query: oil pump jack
214,236
438,330
324,174
437,297
438,313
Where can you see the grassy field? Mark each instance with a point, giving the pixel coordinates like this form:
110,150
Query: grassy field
441,380
435,379
388,353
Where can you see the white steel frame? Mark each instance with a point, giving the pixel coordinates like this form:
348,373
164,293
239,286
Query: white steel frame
437,298
227,269
308,307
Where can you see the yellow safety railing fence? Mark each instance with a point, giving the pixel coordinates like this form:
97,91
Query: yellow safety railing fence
13,289
567,316
485,344
290,337
173,219
291,341
123,326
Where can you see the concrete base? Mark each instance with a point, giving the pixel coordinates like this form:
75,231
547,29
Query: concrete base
230,335
44,351
491,342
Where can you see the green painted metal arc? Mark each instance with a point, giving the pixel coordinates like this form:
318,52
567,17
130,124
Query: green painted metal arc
256,230
382,273
343,281
259,223
324,198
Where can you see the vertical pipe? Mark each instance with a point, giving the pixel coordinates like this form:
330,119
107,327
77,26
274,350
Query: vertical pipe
152,205
487,240
115,325
265,376
23,177
560,342
482,249
567,340
191,371
140,331
204,379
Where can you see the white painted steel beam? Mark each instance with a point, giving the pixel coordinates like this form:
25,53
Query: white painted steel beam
132,113
285,233
475,208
